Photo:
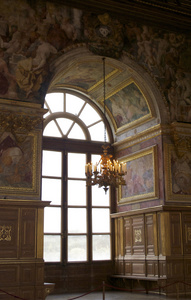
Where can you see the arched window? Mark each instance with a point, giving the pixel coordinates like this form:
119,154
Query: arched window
77,222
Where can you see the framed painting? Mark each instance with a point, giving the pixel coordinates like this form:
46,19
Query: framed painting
19,164
178,174
127,106
141,178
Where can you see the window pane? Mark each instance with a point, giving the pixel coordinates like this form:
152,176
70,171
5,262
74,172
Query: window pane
89,115
52,246
64,124
77,248
101,247
76,192
51,190
73,104
97,132
51,129
77,220
55,101
52,220
52,163
100,220
99,197
76,165
76,133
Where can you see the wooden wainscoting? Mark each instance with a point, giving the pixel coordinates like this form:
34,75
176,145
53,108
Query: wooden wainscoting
154,245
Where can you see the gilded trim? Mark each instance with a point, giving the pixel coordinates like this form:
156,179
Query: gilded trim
154,194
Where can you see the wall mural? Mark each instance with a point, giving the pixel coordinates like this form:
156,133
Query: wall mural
128,105
141,178
31,37
178,172
18,164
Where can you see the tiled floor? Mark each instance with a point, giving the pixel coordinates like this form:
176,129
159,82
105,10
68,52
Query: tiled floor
110,296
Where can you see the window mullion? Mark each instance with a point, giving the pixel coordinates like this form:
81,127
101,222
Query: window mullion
64,207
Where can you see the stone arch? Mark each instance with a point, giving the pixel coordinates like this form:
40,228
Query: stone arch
66,74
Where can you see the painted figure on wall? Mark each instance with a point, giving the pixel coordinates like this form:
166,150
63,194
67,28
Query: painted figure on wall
165,54
181,173
15,162
140,177
127,105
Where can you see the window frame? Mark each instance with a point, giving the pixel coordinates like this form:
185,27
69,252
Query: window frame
89,147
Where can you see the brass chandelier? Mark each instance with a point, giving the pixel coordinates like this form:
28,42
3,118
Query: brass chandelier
107,172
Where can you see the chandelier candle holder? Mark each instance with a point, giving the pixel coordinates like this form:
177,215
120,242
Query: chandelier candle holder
106,173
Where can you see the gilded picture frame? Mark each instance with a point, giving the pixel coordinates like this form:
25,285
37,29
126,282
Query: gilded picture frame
20,165
141,178
177,174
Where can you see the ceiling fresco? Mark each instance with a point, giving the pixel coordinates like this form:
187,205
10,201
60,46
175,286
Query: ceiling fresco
36,35
125,102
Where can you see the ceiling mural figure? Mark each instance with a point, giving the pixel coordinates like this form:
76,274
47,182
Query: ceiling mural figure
32,37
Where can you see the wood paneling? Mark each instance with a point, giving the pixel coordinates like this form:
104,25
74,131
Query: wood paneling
151,235
28,237
128,237
187,233
157,246
9,275
8,233
20,268
138,240
176,234
138,268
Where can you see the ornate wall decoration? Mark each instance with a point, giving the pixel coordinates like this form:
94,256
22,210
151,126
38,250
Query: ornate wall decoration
128,106
141,178
138,235
104,35
182,143
178,174
19,164
5,233
26,61
15,123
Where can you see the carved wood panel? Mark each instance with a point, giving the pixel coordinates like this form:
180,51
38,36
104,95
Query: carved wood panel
151,235
152,268
27,274
138,240
28,293
128,268
175,268
119,267
138,268
28,230
176,234
8,233
39,273
9,274
128,236
119,245
186,223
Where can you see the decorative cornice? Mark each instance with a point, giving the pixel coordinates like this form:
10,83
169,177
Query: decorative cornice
141,137
18,123
164,13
